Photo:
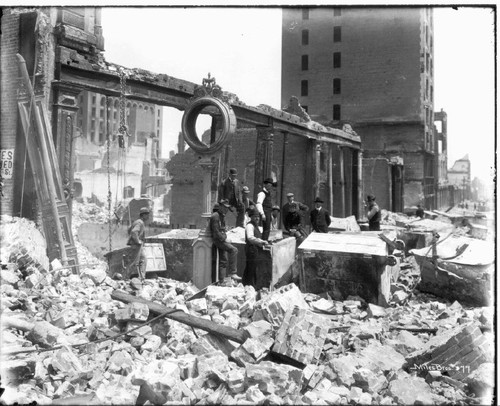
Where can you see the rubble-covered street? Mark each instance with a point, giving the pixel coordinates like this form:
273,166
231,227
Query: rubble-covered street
65,340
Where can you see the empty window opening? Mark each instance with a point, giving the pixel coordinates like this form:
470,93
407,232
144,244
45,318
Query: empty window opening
305,37
336,59
336,86
304,88
337,34
305,62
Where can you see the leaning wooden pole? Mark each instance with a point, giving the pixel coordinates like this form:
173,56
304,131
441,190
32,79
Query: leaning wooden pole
46,160
197,322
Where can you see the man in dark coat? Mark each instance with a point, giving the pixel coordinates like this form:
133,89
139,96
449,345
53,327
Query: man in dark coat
231,190
320,218
294,223
286,207
265,206
254,245
420,211
373,213
228,253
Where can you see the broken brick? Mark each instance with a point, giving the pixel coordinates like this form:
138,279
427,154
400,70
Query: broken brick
280,379
301,335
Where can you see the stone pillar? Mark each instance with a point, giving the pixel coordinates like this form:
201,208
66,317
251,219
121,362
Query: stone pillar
263,156
202,247
342,180
317,169
64,127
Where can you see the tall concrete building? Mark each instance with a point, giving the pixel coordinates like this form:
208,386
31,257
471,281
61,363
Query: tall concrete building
373,69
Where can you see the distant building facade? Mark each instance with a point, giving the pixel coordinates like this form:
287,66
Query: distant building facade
459,175
137,168
372,68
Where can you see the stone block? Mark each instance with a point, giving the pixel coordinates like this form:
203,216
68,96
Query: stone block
259,328
375,311
329,397
143,331
97,274
236,381
407,342
344,367
152,343
280,379
45,334
255,395
258,348
213,362
381,356
301,335
217,295
198,305
132,311
411,390
120,362
369,381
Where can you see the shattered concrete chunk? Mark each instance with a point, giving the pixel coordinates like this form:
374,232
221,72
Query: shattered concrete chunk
410,391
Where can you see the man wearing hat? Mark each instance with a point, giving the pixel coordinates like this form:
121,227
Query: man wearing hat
264,206
254,244
373,213
286,207
137,232
294,223
231,190
228,253
320,218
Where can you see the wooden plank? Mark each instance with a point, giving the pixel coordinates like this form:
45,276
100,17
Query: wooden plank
197,322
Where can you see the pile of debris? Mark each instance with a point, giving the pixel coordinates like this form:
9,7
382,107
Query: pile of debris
87,339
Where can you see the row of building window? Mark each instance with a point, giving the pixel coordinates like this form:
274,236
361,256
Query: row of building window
304,87
337,35
337,12
336,61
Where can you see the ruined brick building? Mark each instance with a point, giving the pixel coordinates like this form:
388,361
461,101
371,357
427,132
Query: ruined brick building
372,68
63,49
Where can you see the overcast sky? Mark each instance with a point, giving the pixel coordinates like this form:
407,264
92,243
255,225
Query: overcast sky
241,48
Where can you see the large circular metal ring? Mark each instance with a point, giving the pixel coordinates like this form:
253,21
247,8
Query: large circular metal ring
189,125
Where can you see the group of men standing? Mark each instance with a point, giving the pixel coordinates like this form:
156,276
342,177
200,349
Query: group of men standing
250,214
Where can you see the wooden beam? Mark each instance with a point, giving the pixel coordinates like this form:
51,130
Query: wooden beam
197,322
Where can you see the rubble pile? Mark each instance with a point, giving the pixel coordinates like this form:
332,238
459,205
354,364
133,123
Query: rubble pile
66,340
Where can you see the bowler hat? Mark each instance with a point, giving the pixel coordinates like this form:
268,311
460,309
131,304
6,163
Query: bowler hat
275,208
224,202
144,210
246,189
370,197
271,181
318,200
290,194
233,171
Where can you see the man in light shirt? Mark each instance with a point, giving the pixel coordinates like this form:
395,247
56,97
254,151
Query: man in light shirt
265,205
